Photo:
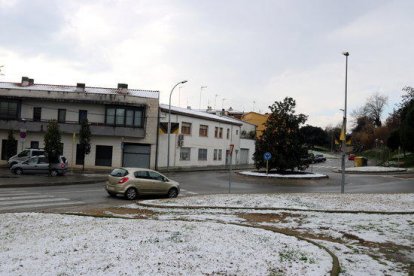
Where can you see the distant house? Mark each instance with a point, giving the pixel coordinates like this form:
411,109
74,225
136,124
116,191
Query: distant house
258,120
123,121
200,139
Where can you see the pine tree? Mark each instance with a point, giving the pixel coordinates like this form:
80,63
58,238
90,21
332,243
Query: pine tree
53,143
282,138
84,140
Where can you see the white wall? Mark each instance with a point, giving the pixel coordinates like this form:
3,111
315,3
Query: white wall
195,142
249,144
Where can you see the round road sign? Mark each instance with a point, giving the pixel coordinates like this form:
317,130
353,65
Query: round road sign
267,156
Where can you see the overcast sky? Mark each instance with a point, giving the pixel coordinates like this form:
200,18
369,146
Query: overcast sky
250,53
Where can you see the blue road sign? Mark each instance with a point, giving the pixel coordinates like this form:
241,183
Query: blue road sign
267,156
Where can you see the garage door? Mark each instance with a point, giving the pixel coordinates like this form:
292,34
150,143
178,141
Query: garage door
136,155
244,156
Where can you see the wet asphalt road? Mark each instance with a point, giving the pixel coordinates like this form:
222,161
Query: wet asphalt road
77,197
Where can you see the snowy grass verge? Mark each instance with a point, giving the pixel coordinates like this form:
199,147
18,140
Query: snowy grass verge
373,169
310,201
48,244
287,176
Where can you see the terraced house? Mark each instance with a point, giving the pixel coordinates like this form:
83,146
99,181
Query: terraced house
201,139
123,121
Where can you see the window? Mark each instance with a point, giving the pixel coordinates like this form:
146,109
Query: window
119,172
220,132
186,128
237,132
185,154
83,115
103,156
220,153
34,144
39,152
155,176
202,154
33,160
215,154
203,131
37,114
216,132
228,133
24,153
61,115
9,109
141,174
123,116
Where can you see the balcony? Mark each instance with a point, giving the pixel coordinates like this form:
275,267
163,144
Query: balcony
71,127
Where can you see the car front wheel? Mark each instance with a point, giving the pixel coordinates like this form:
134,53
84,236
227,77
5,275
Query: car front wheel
172,193
131,193
18,171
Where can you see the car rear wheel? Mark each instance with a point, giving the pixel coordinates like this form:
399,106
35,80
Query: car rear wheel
54,173
172,193
18,171
131,193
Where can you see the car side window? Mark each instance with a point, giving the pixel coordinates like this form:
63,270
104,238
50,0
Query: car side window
141,174
42,160
32,161
37,152
155,176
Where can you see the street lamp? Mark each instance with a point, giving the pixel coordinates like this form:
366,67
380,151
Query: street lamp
169,124
201,90
346,54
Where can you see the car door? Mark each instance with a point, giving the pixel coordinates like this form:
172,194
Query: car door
142,182
42,165
30,166
158,186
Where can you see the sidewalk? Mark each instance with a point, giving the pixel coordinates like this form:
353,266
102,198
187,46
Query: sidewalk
9,180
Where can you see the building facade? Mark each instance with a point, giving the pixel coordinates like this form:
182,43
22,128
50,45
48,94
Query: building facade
200,139
123,122
258,120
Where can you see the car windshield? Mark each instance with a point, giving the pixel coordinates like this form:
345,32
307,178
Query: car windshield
119,172
24,153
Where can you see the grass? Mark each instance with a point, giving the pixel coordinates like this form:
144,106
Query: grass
386,157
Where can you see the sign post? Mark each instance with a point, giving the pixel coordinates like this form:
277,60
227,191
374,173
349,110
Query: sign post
267,156
23,134
231,154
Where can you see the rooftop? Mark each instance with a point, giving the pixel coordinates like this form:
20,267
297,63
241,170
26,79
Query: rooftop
73,88
201,114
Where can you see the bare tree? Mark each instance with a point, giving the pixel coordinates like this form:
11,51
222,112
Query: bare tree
371,110
374,107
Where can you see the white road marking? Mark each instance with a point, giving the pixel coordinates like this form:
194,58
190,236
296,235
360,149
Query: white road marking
24,197
14,202
41,205
188,192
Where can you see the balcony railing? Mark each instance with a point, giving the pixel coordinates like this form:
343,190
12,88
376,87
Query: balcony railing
70,127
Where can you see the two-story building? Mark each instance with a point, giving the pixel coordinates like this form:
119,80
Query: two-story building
201,139
123,122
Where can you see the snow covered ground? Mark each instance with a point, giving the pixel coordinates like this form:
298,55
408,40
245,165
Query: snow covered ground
308,201
49,244
375,169
222,241
290,176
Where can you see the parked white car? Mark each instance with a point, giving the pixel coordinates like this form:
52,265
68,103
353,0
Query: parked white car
24,155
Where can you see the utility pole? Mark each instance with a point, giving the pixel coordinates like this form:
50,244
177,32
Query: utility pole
343,134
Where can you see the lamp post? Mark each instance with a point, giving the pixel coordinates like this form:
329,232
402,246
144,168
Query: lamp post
346,54
169,124
201,90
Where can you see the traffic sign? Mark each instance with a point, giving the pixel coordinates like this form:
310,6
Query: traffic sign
267,156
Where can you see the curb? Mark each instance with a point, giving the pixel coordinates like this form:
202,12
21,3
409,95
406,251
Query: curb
374,172
290,178
45,184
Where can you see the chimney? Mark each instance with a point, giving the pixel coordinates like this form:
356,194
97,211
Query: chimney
122,88
80,87
209,108
31,81
188,107
25,81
